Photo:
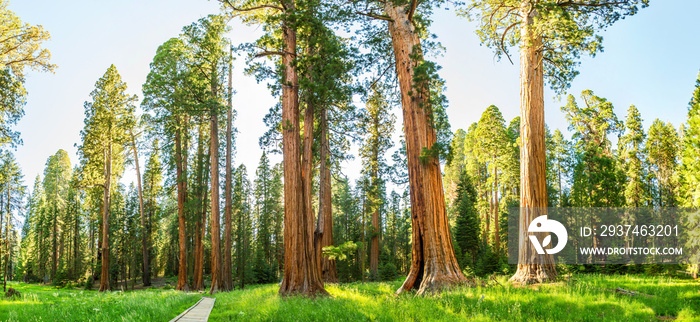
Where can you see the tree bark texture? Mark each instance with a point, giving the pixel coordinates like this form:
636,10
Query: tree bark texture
496,224
301,274
181,172
104,275
433,262
215,228
533,181
374,246
324,224
228,264
200,227
146,267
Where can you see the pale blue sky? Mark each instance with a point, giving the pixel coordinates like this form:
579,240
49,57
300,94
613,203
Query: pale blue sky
650,60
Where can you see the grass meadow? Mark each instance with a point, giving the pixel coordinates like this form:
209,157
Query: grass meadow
581,298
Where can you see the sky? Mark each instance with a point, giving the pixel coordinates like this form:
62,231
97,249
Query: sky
650,60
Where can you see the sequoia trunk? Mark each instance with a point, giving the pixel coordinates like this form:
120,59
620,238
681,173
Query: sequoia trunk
433,262
228,282
104,274
200,227
181,172
215,229
146,267
324,224
301,273
533,192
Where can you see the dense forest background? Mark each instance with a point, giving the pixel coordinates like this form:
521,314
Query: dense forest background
85,221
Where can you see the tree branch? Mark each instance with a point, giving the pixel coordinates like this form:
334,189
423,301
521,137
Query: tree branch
375,16
269,53
412,9
264,6
503,38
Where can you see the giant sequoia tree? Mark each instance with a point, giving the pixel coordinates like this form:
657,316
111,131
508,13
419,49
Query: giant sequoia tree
283,21
206,65
107,118
433,264
551,36
168,104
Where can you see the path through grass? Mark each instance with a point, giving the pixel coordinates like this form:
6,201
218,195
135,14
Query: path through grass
43,303
584,298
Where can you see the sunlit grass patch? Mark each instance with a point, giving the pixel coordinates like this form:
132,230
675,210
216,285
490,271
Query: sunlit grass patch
43,303
585,298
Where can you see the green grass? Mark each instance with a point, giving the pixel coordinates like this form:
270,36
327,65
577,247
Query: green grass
585,298
43,303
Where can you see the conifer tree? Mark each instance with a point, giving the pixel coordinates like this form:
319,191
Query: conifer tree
467,226
107,117
662,152
57,177
551,36
377,123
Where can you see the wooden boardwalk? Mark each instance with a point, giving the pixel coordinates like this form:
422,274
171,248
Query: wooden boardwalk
199,312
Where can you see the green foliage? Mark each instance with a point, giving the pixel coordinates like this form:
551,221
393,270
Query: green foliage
568,29
20,47
467,228
663,151
388,271
12,100
559,154
241,209
340,252
597,178
691,150
269,216
633,159
107,117
488,262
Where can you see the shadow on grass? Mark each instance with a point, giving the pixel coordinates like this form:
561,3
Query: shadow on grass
586,300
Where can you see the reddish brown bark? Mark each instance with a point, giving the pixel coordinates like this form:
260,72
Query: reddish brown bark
433,263
7,245
104,273
496,224
200,227
307,167
146,266
301,274
181,172
228,275
216,277
533,192
324,223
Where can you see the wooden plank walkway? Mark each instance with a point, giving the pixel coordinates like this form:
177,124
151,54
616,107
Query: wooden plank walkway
199,312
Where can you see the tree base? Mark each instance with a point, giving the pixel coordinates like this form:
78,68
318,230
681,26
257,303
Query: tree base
534,273
311,292
434,284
